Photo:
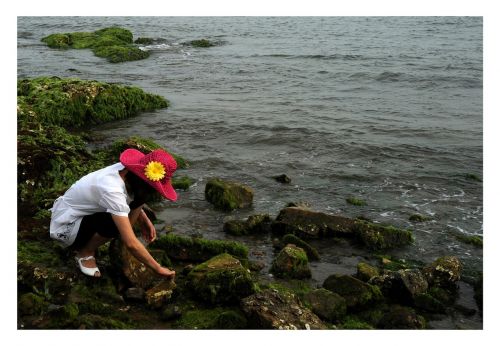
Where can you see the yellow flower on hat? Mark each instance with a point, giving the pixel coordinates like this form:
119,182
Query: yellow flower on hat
154,171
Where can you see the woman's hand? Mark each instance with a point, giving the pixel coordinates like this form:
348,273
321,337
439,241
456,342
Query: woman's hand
167,273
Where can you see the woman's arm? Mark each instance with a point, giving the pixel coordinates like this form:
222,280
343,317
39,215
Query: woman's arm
123,223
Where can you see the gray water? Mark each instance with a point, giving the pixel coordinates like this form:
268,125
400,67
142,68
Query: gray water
387,109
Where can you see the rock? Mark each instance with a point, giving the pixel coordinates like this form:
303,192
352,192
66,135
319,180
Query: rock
366,272
401,286
299,204
31,304
478,292
171,312
310,224
270,309
357,293
428,303
158,295
227,195
291,262
222,279
378,237
135,271
418,218
258,223
312,253
400,317
135,294
203,43
443,272
326,304
230,320
283,178
356,201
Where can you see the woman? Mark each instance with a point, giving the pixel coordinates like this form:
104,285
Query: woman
106,203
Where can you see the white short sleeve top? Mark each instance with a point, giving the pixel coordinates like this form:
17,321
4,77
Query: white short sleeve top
100,191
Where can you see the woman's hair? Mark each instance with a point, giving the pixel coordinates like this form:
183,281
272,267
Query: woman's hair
142,191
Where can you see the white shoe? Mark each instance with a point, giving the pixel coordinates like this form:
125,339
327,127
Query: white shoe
86,270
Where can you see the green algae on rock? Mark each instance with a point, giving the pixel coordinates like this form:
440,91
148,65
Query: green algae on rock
379,237
326,304
366,271
221,279
203,43
291,262
418,218
312,253
113,43
474,240
356,201
227,196
257,223
357,293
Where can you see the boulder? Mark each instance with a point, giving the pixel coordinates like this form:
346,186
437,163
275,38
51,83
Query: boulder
282,178
227,195
291,262
366,272
400,317
401,286
258,223
311,224
270,309
222,279
312,253
379,237
327,305
443,272
427,302
230,320
357,293
160,294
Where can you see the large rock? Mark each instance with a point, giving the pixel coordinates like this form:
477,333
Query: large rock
311,224
291,262
401,286
312,253
443,272
221,279
400,317
270,309
357,293
327,305
135,271
160,294
227,195
379,237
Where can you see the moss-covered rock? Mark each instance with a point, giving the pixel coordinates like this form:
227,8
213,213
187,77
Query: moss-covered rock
31,304
401,317
428,303
354,323
418,218
160,294
312,253
144,40
291,262
379,237
227,195
327,305
113,43
443,272
198,249
475,240
357,293
258,223
221,279
203,43
270,309
473,177
356,201
366,271
282,178
401,286
230,320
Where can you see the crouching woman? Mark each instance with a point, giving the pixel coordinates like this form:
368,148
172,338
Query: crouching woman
106,203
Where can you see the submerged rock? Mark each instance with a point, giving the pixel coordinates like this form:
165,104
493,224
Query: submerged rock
357,293
221,279
227,195
258,223
283,178
443,272
326,304
270,309
291,262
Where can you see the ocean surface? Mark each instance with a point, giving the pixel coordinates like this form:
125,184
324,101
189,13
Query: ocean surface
386,109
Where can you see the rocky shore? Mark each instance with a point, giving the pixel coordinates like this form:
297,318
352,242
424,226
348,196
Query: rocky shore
217,285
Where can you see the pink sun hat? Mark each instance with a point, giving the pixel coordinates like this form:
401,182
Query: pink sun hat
155,168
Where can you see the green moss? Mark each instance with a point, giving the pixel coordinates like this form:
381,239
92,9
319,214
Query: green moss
474,177
200,318
144,40
312,253
354,323
297,287
203,43
475,240
31,304
196,249
227,195
291,262
365,271
114,43
379,237
418,218
182,183
39,253
355,201
230,320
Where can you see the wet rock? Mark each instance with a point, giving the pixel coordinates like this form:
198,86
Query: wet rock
365,271
310,224
291,262
230,320
401,286
227,195
299,204
379,237
258,223
270,309
443,272
427,302
356,201
222,279
400,317
312,253
282,178
357,293
327,305
171,312
135,294
135,271
478,292
203,43
158,295
418,218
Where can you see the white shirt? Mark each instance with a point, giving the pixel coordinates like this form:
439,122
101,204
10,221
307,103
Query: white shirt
100,191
